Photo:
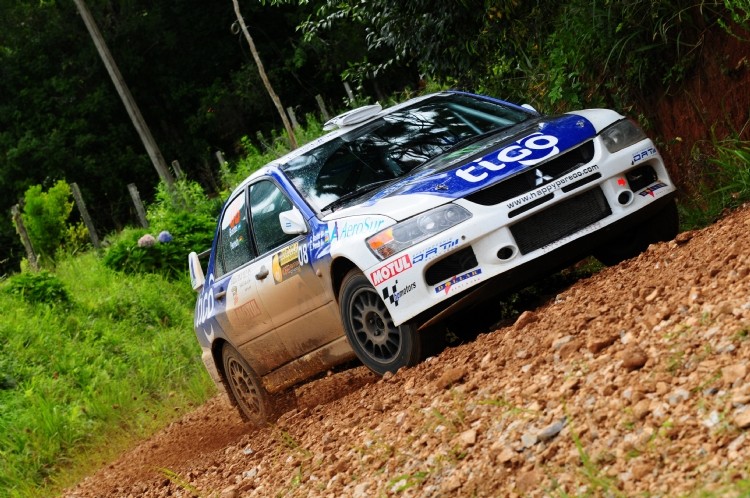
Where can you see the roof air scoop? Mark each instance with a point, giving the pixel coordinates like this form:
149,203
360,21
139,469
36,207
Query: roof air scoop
353,117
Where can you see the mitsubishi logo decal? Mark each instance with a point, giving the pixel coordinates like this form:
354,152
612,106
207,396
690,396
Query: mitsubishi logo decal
541,177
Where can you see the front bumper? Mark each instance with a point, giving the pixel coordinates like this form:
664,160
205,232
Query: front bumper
513,241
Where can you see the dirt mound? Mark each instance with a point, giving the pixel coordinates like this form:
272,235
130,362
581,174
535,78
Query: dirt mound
632,381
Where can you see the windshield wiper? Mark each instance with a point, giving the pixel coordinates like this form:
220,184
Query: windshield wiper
354,194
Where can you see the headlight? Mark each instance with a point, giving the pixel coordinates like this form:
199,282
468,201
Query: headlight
405,234
621,134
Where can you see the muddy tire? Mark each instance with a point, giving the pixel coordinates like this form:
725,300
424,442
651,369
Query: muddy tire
244,385
376,340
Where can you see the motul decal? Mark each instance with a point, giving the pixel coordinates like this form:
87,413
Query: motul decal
390,270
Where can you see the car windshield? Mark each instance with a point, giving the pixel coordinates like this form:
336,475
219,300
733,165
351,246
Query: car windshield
394,145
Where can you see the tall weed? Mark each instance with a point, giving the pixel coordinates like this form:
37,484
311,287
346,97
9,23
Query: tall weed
727,186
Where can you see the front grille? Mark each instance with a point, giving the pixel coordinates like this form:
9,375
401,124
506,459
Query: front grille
450,266
530,178
560,220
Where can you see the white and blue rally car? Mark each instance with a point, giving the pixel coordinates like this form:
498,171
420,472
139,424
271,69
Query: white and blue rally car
358,242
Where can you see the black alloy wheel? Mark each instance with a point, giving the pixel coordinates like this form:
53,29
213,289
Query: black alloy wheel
377,341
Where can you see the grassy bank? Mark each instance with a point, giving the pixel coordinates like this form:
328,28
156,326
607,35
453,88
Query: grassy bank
108,359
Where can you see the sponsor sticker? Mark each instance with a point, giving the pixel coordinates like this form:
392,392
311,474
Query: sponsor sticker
318,245
206,304
451,284
349,229
390,270
433,251
553,186
246,311
650,190
393,295
285,263
640,156
237,242
235,223
528,151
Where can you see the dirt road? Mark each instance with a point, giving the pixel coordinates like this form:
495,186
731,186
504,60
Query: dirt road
632,381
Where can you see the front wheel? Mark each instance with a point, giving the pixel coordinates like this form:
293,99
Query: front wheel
376,340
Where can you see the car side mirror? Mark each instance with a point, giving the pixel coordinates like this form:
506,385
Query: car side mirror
530,108
292,222
197,277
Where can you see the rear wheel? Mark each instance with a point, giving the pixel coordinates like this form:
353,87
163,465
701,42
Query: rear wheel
663,226
252,399
376,340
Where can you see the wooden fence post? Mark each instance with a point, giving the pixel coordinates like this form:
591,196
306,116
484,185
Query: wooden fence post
138,205
223,170
292,117
178,174
323,110
21,229
85,214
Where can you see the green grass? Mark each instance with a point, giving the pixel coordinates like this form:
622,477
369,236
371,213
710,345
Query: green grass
109,364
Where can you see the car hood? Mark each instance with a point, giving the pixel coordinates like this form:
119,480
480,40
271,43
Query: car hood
470,168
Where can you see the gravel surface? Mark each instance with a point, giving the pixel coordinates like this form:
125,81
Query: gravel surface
633,381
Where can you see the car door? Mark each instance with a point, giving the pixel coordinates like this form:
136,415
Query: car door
238,306
291,291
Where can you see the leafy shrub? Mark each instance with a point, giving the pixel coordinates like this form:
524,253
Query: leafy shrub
253,160
563,55
41,287
46,216
189,233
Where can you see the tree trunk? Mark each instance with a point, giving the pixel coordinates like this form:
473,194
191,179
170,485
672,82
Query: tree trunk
264,77
127,98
